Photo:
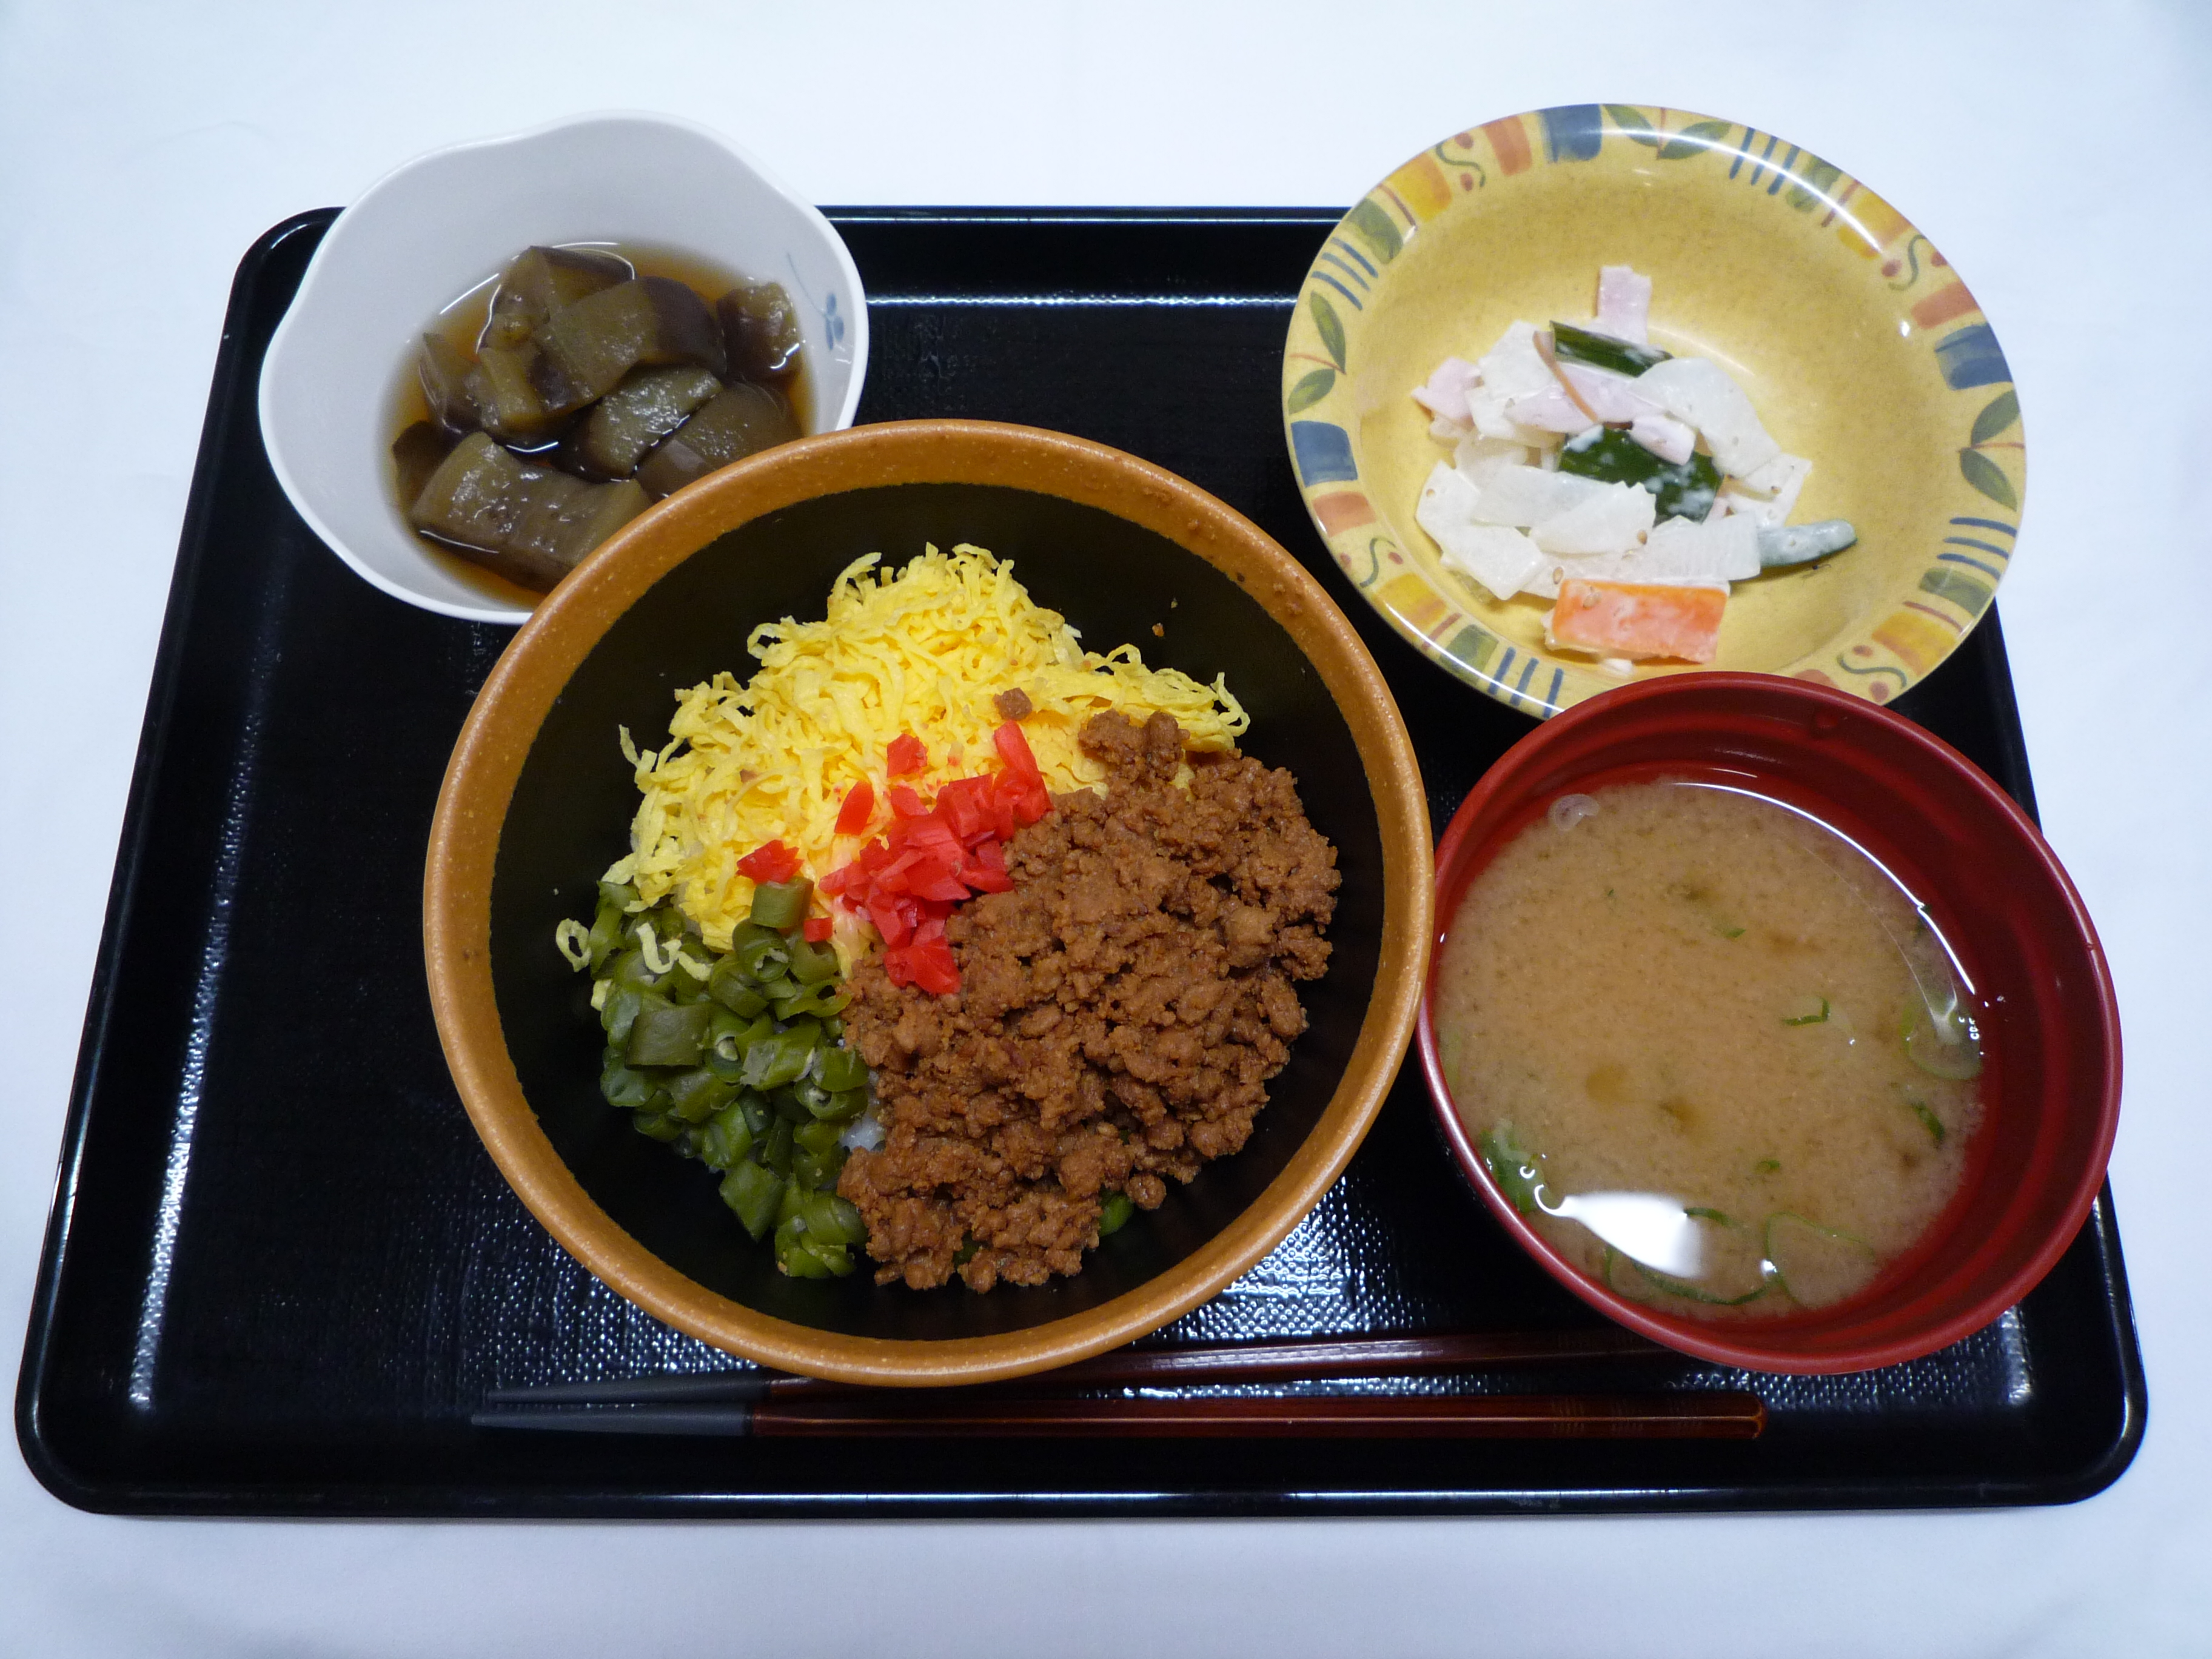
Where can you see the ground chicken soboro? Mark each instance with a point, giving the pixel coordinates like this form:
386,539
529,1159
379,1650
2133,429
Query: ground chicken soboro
1119,1016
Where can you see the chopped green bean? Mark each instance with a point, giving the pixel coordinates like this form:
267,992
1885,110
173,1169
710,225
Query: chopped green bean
815,1156
621,1011
622,1086
838,1069
605,936
727,1068
727,985
762,954
811,963
819,1138
787,1205
1113,1214
811,1232
774,1148
669,1035
829,1219
754,1192
775,1060
781,903
810,1000
631,970
738,1044
801,1259
840,1106
696,1096
727,1138
682,987
740,1063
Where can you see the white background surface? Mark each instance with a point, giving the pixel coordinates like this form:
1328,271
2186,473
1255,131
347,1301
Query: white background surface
2053,151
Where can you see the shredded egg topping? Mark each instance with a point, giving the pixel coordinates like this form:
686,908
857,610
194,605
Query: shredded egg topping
923,652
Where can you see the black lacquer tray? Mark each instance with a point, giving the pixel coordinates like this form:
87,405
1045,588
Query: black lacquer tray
281,1271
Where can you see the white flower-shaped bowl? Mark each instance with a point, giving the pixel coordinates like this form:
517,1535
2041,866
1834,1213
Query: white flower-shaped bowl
444,223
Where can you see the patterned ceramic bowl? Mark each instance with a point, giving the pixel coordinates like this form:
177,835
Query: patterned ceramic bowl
1858,344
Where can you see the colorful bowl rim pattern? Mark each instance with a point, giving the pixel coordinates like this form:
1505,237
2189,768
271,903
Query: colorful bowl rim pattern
1889,653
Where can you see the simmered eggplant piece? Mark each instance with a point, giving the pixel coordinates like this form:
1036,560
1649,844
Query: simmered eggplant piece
648,406
473,499
530,524
542,281
444,369
562,525
742,420
504,390
645,321
760,330
415,455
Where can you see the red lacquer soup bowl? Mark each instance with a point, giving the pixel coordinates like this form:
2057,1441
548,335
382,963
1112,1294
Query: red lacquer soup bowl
2051,1089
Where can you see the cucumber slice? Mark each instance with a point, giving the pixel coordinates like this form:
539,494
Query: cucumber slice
1571,345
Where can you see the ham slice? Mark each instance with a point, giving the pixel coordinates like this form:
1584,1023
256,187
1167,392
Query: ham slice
1610,398
1548,411
1624,305
1445,394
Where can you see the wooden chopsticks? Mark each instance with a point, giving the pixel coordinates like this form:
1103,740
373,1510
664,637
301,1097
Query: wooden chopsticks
1723,1415
767,1404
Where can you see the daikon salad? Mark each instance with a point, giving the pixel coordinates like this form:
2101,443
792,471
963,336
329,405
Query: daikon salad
1629,486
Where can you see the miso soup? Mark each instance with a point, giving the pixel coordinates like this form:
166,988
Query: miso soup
1712,1051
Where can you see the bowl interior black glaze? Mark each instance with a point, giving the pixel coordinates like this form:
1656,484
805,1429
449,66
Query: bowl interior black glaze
573,802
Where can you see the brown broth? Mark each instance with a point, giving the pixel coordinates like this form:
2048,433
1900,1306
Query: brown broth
1697,996
462,324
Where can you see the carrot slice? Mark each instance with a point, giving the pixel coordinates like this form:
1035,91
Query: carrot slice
1637,619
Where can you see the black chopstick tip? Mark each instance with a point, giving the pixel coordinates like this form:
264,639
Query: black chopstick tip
717,1388
729,1419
